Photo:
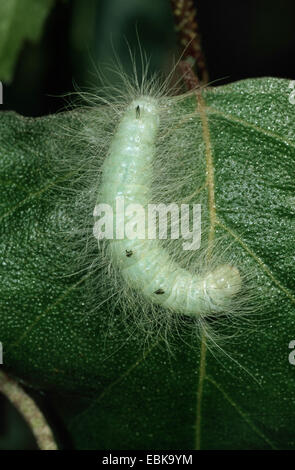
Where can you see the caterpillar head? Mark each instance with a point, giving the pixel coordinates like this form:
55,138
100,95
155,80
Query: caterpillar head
145,105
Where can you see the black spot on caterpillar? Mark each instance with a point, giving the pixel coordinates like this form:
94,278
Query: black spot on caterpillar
129,253
137,112
159,291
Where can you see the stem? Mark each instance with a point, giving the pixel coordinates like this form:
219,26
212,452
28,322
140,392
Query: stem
185,17
30,412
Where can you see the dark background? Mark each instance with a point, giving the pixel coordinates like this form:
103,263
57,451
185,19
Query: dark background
241,39
252,38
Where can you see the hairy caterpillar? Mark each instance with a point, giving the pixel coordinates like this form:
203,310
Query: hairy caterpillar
144,142
126,172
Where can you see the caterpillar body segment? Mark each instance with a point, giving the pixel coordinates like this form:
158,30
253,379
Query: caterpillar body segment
143,263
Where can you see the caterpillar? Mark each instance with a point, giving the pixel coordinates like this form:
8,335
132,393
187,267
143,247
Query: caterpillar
126,172
143,141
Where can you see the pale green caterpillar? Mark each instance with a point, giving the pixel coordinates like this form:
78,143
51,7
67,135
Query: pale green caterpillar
144,141
145,265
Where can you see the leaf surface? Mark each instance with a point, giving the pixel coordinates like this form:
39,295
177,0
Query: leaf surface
127,397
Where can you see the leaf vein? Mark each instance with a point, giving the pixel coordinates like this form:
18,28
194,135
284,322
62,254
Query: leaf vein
245,417
258,260
249,125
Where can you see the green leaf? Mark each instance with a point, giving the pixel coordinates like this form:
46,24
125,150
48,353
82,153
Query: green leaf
135,398
20,20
